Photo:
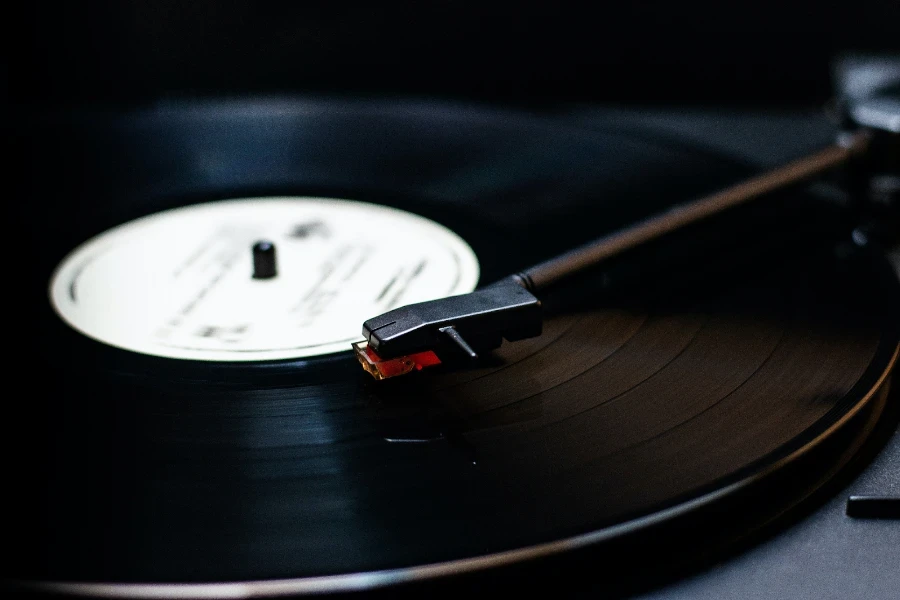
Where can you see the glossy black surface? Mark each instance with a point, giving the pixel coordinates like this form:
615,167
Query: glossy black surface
143,469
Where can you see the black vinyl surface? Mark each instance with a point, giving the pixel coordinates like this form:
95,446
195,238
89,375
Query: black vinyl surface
683,398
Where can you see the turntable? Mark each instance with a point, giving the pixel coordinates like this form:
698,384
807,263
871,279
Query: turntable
686,421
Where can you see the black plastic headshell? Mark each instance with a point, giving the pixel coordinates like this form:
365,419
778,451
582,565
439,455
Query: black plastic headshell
467,324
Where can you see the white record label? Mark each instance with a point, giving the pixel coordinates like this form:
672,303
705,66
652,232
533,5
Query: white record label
180,283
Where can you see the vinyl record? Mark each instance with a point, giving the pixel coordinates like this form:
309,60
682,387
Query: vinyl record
636,423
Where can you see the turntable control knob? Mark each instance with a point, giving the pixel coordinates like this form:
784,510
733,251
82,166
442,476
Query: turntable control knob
264,266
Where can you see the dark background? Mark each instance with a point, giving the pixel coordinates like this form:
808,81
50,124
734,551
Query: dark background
648,53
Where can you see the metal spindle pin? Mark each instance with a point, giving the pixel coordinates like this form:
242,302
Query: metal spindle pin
264,263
